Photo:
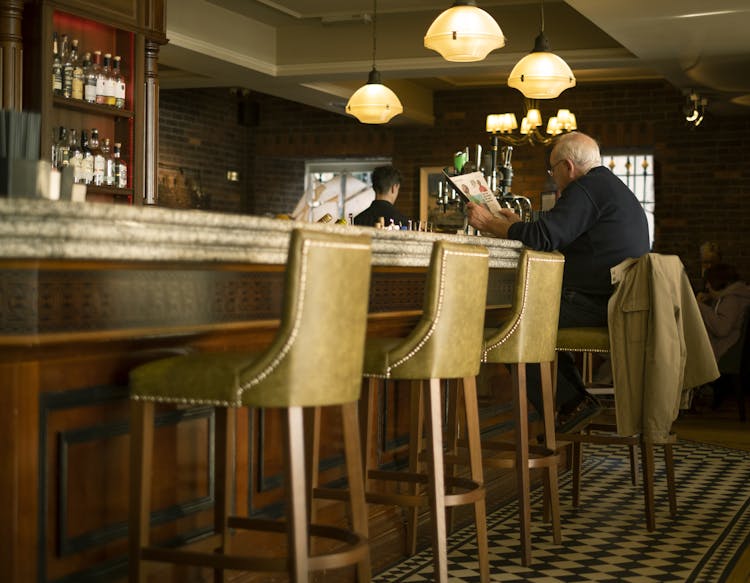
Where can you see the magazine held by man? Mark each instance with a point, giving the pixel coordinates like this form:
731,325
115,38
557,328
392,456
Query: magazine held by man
473,187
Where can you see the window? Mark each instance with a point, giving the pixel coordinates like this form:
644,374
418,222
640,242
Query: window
636,169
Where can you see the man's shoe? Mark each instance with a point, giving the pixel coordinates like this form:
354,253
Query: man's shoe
574,420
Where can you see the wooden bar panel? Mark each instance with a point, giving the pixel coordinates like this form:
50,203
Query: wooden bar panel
77,314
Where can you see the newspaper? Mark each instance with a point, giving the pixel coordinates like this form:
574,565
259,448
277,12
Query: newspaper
473,187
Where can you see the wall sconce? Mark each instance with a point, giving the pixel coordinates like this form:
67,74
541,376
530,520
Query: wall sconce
694,108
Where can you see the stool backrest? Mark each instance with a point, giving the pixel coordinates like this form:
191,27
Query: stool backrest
447,341
530,334
316,357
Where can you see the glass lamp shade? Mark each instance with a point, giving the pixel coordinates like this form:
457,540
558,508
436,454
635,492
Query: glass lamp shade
374,102
503,123
541,74
464,33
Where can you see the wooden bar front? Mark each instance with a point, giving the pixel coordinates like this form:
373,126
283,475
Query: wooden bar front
89,293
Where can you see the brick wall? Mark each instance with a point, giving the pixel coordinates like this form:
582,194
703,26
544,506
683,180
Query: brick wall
702,175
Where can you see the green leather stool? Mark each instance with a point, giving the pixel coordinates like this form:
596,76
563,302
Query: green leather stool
529,336
445,344
593,340
314,360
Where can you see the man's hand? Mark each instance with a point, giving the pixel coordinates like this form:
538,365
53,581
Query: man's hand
483,220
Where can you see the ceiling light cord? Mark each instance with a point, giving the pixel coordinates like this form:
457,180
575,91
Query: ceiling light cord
374,30
541,16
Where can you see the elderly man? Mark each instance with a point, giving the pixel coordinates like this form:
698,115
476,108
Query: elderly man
596,223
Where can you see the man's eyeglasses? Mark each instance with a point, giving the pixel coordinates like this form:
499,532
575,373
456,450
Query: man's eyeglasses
551,169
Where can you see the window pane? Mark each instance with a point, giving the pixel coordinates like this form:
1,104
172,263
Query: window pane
636,169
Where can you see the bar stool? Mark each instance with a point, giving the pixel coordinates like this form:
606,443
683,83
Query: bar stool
529,336
445,344
589,341
314,360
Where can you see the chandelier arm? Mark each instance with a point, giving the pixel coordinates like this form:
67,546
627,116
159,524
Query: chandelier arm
514,140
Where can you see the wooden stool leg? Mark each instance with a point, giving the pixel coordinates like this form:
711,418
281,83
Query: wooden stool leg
295,487
312,455
437,482
552,490
633,465
452,389
416,430
225,436
357,504
671,490
647,453
368,409
141,458
577,467
471,408
523,480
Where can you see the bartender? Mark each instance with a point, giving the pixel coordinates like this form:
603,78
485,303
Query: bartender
386,182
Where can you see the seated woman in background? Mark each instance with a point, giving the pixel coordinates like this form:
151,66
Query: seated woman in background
723,306
710,255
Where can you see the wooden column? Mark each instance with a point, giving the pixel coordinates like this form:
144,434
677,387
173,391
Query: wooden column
151,123
11,54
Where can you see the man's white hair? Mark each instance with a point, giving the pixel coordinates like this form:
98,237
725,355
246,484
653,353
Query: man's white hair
580,149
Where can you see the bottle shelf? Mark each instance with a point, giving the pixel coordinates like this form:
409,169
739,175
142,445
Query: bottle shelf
108,190
94,108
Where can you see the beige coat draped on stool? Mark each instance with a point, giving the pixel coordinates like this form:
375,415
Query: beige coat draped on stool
659,345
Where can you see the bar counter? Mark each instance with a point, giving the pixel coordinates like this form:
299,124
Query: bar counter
88,292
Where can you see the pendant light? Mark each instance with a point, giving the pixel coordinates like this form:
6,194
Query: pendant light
541,74
374,102
464,33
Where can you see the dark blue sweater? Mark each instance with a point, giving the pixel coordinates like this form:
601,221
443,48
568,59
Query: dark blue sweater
597,223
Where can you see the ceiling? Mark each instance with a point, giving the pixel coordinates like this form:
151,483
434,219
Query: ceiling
319,51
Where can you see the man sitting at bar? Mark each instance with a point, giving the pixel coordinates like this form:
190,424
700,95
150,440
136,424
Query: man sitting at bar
386,182
596,223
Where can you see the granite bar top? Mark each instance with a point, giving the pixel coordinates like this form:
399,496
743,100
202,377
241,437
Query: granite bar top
42,229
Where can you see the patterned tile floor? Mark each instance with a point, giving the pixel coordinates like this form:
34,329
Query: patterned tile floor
605,539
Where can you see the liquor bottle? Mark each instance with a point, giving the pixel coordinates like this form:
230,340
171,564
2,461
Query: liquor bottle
118,81
109,163
87,160
102,78
53,152
77,88
56,67
121,169
60,149
109,82
75,155
89,79
70,60
67,82
97,177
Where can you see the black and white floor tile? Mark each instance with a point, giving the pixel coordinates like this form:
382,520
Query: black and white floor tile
605,538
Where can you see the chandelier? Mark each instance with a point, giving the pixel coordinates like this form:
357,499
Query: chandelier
374,102
503,125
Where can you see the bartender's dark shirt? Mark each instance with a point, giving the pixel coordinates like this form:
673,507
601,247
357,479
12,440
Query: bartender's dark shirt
596,223
380,208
